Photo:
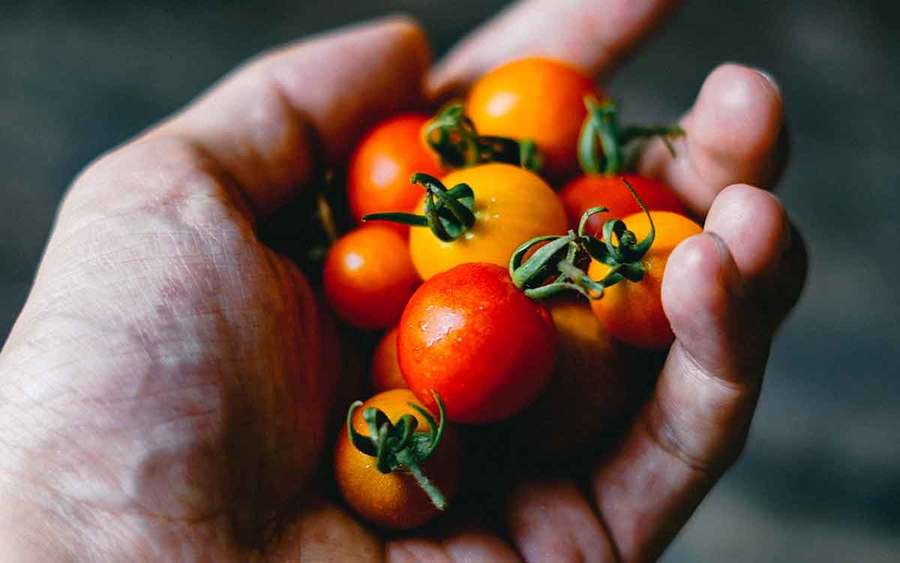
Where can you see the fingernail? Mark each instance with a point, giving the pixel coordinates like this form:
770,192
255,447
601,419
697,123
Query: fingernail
768,78
730,276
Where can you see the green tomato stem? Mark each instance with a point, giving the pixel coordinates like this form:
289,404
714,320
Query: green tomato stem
452,135
398,447
434,494
619,249
601,134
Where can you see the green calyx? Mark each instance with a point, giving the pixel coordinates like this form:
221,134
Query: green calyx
555,265
448,213
452,135
605,148
398,446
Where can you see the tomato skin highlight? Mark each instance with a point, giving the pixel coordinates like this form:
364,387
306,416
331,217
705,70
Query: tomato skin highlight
385,369
585,192
380,168
534,98
633,311
512,205
368,276
394,500
471,336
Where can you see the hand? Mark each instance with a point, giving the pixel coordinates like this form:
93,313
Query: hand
166,390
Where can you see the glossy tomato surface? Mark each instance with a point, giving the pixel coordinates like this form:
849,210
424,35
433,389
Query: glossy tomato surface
394,500
632,311
512,205
471,336
368,276
589,191
534,98
381,166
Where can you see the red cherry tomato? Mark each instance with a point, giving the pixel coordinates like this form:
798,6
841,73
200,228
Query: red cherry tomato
369,276
378,177
591,190
471,336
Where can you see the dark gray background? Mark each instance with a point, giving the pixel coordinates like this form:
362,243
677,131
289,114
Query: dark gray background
820,480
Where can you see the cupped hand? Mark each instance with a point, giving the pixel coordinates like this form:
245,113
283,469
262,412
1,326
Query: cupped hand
165,393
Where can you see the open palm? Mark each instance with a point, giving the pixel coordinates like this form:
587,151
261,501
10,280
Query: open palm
166,391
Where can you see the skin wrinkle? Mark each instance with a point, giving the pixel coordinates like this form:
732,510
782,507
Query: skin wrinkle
665,436
184,269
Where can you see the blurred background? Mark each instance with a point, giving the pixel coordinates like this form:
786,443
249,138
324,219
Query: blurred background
820,479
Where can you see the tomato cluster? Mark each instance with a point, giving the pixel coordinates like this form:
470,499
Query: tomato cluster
466,222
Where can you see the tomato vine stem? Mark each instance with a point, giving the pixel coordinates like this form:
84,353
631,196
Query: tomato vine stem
452,135
553,266
448,213
399,446
603,147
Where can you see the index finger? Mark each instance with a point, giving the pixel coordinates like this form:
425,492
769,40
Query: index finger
589,34
269,123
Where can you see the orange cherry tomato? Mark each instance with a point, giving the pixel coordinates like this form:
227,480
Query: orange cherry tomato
534,98
394,500
380,168
385,369
588,394
590,190
472,337
512,205
632,311
368,276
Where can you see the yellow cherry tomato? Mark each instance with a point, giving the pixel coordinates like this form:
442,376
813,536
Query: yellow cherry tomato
512,205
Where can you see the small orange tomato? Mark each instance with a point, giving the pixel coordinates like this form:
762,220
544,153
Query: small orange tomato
385,370
380,168
368,276
588,394
595,190
511,205
394,499
534,98
632,311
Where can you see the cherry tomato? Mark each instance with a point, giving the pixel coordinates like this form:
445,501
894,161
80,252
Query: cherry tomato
512,205
394,500
534,98
594,190
588,394
378,177
471,336
368,276
385,369
632,311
